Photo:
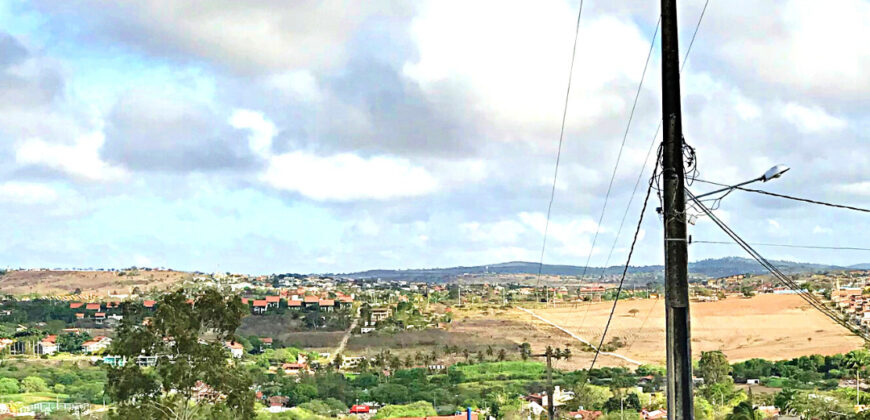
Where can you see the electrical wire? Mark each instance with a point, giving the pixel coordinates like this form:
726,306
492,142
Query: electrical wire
838,248
652,144
619,157
810,298
627,263
561,138
789,197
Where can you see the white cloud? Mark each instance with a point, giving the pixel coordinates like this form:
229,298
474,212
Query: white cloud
811,119
262,130
822,230
80,159
513,55
500,232
27,193
859,188
773,224
815,47
573,238
347,177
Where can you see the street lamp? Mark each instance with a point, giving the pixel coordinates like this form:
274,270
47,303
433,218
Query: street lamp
772,173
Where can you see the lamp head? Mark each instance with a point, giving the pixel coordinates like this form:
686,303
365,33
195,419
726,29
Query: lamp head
774,172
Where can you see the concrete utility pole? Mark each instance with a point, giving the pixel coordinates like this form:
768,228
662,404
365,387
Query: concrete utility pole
679,350
551,392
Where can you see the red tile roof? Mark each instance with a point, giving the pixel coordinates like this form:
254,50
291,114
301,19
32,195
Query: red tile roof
80,315
266,340
75,305
149,303
326,302
93,307
273,299
245,301
311,299
261,303
100,314
50,338
294,303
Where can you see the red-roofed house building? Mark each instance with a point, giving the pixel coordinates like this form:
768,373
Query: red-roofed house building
47,346
310,301
92,307
236,348
273,301
75,305
98,343
260,306
149,304
100,317
326,304
295,304
80,316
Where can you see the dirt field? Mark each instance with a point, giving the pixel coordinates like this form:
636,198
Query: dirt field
99,283
767,326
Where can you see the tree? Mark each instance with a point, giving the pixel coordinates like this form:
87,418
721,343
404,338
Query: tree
745,411
525,351
502,355
9,386
187,358
634,311
33,384
747,291
714,367
856,360
784,401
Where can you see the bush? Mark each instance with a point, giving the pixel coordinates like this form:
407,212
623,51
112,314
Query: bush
34,384
417,409
8,386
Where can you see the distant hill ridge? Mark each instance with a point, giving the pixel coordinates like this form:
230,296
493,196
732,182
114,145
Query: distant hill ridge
718,267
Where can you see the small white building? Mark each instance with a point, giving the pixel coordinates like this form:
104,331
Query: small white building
98,343
235,348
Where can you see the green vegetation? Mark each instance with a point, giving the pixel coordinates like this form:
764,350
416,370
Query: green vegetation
416,409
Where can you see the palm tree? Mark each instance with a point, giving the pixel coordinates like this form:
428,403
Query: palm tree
502,355
857,359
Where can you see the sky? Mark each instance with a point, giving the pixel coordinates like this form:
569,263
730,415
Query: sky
335,136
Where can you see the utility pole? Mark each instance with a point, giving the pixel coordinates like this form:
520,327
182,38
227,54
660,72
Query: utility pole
551,397
679,351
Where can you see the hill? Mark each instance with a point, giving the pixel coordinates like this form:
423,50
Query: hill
100,283
719,267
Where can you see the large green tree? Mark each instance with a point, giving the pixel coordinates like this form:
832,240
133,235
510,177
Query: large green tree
195,376
714,367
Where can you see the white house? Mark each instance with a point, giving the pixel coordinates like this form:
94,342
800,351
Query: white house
98,343
47,346
236,349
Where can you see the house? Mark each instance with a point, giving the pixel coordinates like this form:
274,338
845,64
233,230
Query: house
309,301
592,293
344,301
294,368
753,382
47,346
585,414
98,343
380,314
326,304
366,330
260,306
267,341
236,349
114,361
92,307
80,316
244,301
149,304
654,414
294,304
100,317
273,301
75,305
559,398
146,361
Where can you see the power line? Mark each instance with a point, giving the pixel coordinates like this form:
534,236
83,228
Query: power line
839,248
625,268
561,138
649,151
789,197
619,156
810,298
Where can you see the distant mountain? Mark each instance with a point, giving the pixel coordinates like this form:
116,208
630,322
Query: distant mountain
864,266
719,267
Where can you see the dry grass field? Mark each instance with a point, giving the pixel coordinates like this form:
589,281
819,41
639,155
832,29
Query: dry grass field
99,283
767,326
